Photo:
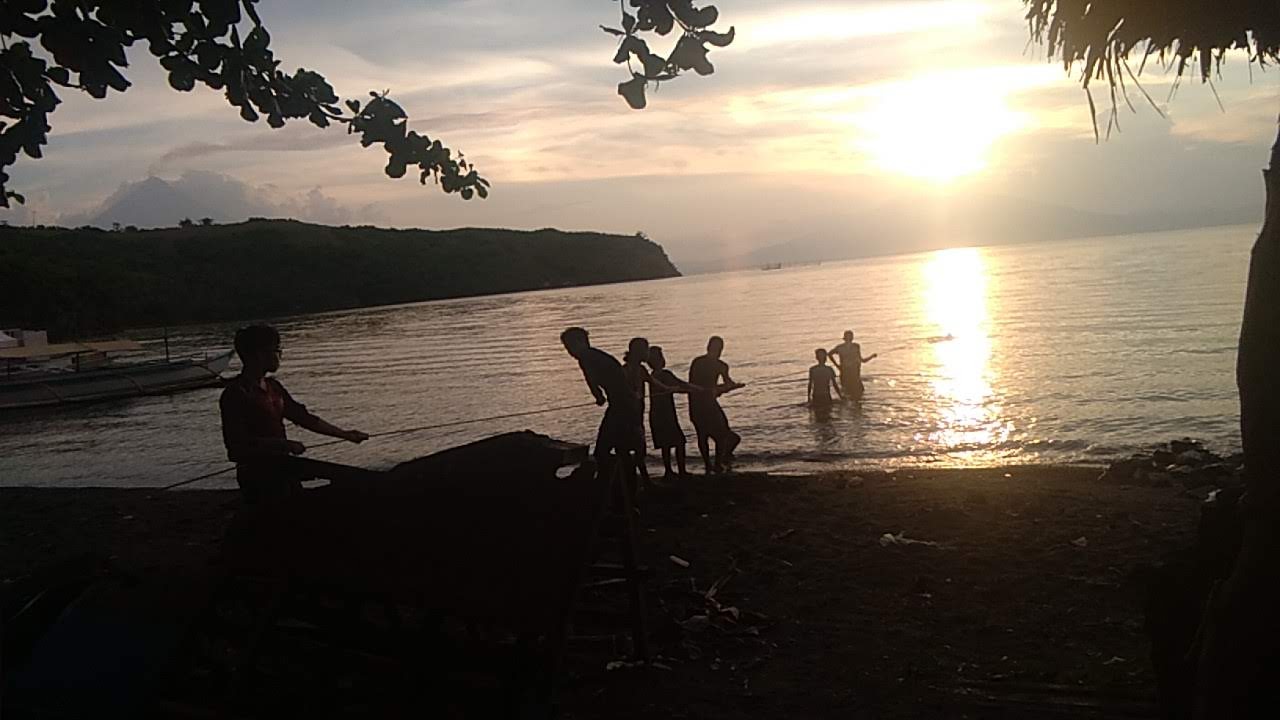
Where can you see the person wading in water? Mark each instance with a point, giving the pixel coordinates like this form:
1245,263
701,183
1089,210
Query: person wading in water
709,421
254,408
608,383
822,379
664,425
847,357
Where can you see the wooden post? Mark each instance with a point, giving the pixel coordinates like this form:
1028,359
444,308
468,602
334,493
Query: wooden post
625,486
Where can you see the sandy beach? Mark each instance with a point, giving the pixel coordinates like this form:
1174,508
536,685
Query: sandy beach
1017,602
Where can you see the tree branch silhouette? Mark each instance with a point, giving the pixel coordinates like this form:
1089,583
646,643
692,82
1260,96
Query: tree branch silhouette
220,44
660,17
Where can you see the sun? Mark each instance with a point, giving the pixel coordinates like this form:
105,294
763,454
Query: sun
935,128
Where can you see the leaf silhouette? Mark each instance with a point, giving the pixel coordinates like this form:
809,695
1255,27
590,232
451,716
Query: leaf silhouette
633,92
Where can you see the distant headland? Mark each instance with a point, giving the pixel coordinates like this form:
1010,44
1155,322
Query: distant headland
87,281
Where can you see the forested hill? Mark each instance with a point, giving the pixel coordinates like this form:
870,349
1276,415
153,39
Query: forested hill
78,283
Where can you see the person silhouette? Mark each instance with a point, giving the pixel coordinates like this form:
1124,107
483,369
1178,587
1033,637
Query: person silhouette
253,407
709,421
638,381
822,379
664,425
608,383
847,357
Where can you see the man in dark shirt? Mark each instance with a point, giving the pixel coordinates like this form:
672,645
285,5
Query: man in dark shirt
254,408
709,421
608,383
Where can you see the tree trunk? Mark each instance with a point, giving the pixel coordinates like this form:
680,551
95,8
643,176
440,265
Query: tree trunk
1258,361
1242,624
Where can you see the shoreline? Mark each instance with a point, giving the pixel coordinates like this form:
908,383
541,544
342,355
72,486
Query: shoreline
1009,614
222,479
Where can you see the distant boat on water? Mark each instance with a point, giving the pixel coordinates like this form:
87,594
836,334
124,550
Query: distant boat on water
36,373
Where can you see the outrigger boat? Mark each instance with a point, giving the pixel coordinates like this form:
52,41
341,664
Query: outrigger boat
36,373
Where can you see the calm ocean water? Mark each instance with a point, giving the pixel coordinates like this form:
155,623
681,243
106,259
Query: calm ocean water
1066,352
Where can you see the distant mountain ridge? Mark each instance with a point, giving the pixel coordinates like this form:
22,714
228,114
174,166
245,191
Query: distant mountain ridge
84,282
904,226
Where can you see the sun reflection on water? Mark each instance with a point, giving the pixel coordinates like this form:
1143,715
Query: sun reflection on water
968,420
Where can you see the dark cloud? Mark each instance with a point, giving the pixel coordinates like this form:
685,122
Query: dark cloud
293,139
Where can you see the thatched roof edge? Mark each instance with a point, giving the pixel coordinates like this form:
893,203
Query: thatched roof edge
1115,39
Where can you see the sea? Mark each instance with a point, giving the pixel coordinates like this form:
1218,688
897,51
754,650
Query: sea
1068,352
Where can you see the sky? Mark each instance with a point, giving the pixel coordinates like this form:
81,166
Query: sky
825,122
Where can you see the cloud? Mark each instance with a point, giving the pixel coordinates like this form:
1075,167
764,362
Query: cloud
157,202
295,139
316,206
786,129
1248,120
825,23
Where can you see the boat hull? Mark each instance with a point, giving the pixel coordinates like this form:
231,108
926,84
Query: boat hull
158,378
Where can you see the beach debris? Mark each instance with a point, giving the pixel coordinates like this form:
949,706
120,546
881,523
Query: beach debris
783,534
691,649
854,482
1194,457
704,626
710,594
1184,464
696,624
676,559
888,539
1202,494
1081,542
630,664
605,583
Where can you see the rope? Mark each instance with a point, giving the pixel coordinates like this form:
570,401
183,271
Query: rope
197,478
403,431
776,380
779,381
791,376
455,423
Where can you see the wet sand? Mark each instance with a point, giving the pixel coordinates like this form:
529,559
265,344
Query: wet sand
1025,607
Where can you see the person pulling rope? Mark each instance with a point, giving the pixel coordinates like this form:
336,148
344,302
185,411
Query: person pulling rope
403,431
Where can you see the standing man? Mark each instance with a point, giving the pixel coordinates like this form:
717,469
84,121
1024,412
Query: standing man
608,383
822,379
847,357
709,421
254,408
